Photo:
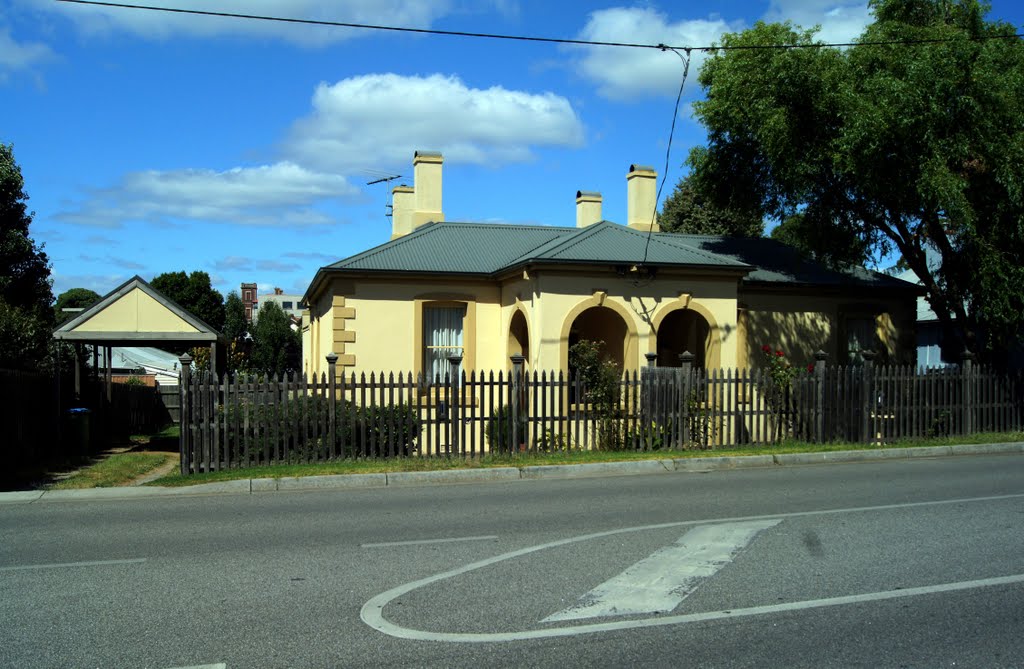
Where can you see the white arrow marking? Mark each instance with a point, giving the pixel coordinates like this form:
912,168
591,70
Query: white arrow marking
658,584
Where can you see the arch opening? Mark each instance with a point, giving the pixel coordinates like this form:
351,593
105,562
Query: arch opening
681,331
604,325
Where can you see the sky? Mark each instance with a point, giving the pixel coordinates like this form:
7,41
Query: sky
153,142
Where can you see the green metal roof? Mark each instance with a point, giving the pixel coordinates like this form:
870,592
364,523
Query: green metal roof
482,249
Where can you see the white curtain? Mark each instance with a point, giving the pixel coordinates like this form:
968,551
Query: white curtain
442,337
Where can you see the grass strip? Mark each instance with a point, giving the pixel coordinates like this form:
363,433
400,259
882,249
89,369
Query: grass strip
413,464
116,470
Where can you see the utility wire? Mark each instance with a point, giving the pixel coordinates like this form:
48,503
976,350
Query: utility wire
520,38
668,149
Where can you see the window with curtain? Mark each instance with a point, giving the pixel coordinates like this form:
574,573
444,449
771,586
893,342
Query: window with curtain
860,336
442,338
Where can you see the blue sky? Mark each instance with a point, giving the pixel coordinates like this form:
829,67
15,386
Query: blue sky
152,142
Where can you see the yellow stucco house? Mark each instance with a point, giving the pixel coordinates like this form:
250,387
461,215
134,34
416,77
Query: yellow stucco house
487,292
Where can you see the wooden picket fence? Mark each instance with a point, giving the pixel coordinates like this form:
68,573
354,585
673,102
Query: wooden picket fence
240,421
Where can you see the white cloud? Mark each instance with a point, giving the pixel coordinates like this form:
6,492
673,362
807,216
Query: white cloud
623,74
380,119
97,20
240,263
282,194
840,21
20,56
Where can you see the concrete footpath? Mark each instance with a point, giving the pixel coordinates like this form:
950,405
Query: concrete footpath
484,475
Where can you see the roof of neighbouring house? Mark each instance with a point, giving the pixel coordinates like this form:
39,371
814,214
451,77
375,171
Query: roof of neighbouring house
481,249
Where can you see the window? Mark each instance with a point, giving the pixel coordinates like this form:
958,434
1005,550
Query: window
442,338
286,305
860,336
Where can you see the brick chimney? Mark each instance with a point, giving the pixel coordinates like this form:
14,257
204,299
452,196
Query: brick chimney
641,192
588,208
426,167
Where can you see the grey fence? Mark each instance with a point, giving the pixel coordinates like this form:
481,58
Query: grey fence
239,421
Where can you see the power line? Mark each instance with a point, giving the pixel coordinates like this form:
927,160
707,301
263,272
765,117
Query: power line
522,38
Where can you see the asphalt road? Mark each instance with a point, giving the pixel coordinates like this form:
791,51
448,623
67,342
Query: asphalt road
897,564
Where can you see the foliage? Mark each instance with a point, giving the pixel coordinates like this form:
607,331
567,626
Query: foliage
688,210
369,431
194,293
26,319
235,324
899,149
276,347
73,298
599,380
499,429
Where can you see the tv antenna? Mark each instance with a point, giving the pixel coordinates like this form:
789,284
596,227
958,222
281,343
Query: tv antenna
385,178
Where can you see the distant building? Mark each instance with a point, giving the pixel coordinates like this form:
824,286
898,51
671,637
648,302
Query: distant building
249,300
289,304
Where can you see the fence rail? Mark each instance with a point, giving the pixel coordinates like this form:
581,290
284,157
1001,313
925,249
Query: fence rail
250,421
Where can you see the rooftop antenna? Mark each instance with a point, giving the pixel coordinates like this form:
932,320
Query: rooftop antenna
384,178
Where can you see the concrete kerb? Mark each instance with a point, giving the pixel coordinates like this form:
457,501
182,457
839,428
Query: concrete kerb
483,475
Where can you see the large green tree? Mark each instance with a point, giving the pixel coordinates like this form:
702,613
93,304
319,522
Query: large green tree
25,293
195,293
689,210
910,142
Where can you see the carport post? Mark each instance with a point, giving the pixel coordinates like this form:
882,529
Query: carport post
185,424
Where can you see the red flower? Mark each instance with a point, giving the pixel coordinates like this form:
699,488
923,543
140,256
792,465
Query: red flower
766,348
780,354
810,368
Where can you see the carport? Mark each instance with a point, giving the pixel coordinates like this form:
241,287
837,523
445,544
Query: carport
134,314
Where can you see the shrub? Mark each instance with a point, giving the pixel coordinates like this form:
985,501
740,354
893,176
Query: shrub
499,430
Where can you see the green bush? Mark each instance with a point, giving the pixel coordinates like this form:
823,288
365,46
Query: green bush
499,430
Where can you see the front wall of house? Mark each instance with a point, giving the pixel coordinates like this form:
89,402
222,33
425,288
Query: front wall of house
801,324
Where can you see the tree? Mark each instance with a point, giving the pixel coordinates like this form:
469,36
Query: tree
25,293
276,348
236,327
900,147
688,210
194,293
73,298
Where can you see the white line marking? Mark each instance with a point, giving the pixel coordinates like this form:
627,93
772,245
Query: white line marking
704,617
97,563
372,612
205,666
660,582
420,542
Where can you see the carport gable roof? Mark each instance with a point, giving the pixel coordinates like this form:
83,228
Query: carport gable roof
126,313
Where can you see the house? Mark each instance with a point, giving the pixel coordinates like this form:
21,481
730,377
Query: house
486,292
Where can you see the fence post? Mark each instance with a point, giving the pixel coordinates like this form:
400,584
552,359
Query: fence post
819,396
867,399
332,403
652,359
967,387
455,397
517,392
686,368
185,423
